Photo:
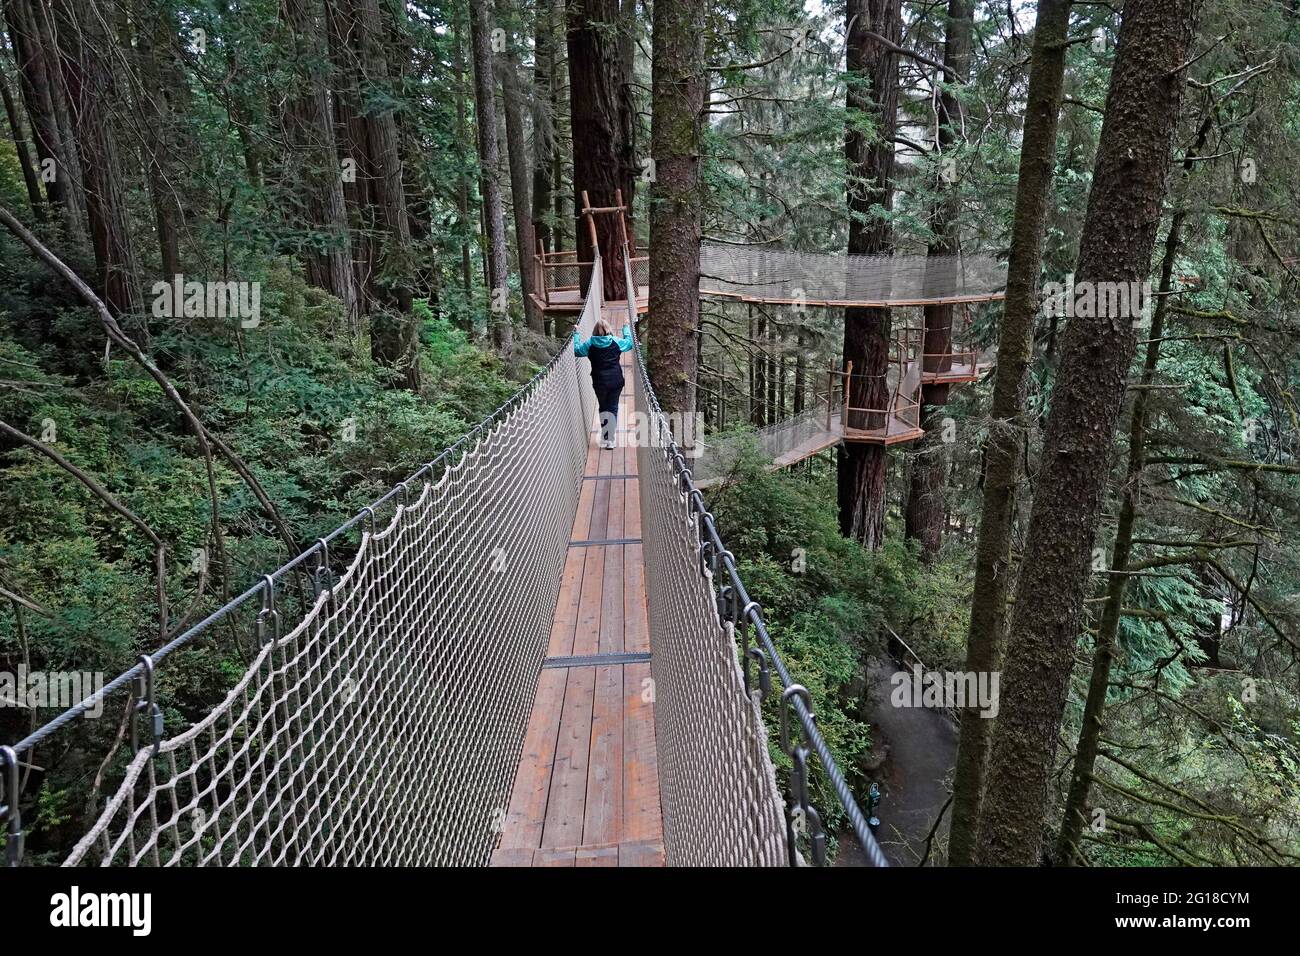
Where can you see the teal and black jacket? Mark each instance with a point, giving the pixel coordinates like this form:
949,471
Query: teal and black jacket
624,342
603,352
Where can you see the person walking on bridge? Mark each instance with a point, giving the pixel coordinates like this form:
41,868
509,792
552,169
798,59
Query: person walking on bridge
603,350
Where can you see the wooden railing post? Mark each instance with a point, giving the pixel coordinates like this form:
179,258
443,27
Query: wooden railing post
591,221
830,395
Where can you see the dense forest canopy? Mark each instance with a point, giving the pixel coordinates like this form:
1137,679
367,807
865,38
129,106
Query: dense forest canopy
265,258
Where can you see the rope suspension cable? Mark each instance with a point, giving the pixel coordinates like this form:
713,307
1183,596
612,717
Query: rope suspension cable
715,774
384,724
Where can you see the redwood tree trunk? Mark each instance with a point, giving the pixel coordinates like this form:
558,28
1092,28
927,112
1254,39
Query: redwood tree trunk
925,507
489,156
872,93
517,158
1007,427
604,160
677,106
313,169
91,86
1119,232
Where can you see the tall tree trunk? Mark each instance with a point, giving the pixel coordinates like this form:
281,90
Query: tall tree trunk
93,94
462,191
394,331
1124,209
544,81
872,93
800,366
924,515
1085,758
677,106
517,157
489,156
557,159
313,166
601,124
34,197
353,144
37,58
162,81
1007,424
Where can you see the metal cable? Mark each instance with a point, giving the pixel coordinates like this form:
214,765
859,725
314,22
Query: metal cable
715,773
385,724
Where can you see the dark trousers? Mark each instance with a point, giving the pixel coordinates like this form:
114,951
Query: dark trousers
607,399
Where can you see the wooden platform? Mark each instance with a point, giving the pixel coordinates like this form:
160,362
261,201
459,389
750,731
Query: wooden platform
898,430
570,300
587,789
961,371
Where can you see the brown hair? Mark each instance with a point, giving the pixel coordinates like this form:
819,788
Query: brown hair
600,328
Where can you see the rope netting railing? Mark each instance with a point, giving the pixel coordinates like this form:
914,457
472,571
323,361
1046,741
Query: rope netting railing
830,416
721,802
812,429
384,725
762,274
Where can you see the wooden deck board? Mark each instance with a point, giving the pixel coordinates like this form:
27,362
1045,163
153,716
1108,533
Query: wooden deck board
603,820
628,853
570,300
568,795
586,792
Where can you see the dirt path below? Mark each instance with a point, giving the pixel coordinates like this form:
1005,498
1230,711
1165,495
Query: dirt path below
913,781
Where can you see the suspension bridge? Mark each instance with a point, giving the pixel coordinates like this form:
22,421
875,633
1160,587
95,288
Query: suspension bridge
881,408
539,653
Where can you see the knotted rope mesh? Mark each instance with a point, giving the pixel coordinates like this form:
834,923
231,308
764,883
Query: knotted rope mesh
385,727
773,275
721,805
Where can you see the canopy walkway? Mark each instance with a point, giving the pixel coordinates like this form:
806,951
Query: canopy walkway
760,274
853,407
881,409
538,653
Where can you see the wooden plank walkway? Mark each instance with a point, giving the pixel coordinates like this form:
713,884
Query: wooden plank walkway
560,301
587,789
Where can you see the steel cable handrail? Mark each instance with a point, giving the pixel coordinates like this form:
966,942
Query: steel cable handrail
742,610
320,548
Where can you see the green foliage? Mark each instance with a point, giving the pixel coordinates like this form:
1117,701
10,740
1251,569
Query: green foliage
826,601
297,397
